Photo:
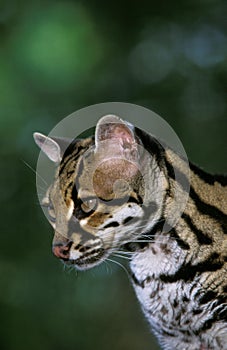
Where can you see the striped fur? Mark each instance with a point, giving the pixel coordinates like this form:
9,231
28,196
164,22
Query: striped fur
123,190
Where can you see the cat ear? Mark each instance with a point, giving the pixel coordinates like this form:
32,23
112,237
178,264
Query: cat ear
111,127
49,146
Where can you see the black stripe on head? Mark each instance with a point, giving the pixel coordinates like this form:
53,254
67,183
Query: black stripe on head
152,145
74,151
71,153
68,189
112,224
157,150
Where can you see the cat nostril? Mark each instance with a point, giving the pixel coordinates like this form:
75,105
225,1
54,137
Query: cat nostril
62,250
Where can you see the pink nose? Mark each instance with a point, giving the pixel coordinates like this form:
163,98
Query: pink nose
62,250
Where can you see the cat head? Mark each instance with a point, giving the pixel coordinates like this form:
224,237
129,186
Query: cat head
105,191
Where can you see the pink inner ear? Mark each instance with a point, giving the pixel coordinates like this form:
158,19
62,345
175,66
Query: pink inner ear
117,131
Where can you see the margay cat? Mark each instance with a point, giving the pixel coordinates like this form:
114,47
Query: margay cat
109,195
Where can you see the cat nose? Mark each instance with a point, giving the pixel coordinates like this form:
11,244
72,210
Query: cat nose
61,250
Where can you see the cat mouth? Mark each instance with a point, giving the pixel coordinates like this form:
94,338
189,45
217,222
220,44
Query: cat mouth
86,260
83,255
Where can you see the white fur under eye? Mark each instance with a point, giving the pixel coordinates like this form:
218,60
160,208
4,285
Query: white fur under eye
70,211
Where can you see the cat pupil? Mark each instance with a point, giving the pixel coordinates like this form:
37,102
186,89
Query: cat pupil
88,205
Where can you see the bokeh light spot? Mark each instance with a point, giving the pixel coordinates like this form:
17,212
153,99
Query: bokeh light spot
206,46
59,48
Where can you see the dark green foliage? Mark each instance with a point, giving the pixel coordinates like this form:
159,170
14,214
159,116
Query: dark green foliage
57,57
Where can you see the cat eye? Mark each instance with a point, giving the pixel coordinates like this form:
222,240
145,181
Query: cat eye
88,205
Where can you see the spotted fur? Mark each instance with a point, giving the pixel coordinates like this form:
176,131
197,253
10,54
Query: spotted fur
121,189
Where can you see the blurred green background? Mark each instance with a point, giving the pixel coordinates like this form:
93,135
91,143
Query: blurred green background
57,57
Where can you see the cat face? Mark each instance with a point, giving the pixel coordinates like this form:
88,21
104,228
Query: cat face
99,197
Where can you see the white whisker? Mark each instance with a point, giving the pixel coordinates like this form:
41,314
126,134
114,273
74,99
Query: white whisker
124,252
108,266
34,171
119,264
122,256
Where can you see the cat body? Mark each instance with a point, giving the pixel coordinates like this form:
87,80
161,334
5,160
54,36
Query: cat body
122,189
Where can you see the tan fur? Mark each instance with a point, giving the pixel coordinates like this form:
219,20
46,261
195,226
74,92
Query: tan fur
174,265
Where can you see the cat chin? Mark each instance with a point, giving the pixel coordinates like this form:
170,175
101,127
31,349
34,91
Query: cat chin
86,264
